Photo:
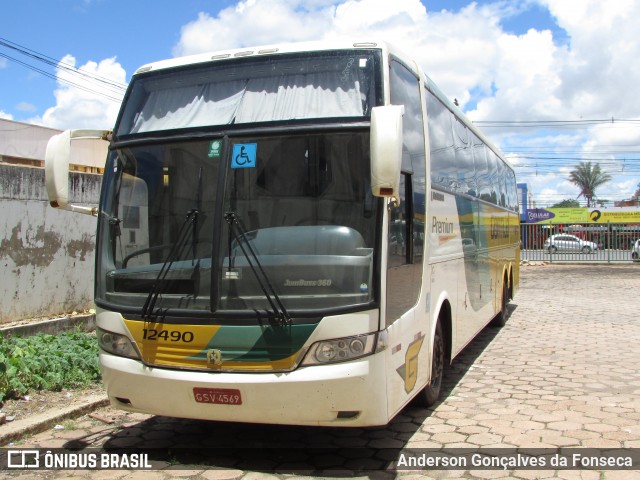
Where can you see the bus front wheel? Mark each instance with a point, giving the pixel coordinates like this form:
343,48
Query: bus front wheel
431,392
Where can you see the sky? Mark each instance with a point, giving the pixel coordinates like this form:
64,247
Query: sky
551,82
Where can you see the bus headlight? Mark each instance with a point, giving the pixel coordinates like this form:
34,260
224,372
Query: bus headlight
116,344
343,349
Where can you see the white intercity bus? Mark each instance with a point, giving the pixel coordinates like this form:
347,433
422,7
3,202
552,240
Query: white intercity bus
296,234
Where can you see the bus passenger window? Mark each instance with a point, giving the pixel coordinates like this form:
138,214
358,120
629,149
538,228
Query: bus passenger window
406,220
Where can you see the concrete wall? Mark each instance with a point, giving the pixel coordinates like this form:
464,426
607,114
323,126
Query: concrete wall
47,256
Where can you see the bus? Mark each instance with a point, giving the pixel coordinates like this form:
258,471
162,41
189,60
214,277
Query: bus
300,234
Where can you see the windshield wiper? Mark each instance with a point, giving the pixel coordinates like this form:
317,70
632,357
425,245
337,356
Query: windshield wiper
239,234
177,249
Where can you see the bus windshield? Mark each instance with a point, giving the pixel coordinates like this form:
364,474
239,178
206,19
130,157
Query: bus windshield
263,89
188,224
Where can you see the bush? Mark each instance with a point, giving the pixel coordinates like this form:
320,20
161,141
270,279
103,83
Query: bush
47,362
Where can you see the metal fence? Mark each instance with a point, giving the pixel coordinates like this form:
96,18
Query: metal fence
610,242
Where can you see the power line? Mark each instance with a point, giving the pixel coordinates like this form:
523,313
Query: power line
581,148
553,123
105,87
61,65
578,157
54,77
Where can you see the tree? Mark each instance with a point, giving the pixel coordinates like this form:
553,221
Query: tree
587,178
569,203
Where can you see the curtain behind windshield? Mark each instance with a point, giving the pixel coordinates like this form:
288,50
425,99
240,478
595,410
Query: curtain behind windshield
192,105
266,90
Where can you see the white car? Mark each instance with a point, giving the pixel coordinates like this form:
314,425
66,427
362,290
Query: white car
635,251
568,243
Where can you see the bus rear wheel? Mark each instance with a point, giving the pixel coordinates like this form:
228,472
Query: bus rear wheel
501,319
430,394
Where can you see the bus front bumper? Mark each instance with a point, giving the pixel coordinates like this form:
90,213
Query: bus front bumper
342,394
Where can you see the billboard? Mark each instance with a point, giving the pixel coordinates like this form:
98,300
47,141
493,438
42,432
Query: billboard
582,215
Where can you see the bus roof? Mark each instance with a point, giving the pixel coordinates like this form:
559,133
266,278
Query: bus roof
275,49
320,46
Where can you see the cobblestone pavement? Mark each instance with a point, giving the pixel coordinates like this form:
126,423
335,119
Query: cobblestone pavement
563,372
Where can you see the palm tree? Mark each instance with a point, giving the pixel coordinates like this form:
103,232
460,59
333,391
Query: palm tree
587,178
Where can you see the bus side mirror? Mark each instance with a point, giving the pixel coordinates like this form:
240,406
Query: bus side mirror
56,166
386,150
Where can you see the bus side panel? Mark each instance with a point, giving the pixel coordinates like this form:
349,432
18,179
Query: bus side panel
473,245
456,274
409,350
474,294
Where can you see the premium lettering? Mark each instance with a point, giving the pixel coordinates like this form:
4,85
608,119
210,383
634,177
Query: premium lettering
441,226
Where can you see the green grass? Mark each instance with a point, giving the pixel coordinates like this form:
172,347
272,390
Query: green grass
47,362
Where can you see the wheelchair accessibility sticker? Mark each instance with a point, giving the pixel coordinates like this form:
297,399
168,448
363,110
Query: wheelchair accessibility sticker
244,155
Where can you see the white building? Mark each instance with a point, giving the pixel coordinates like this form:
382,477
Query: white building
25,144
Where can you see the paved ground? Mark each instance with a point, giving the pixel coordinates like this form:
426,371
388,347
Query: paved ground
563,372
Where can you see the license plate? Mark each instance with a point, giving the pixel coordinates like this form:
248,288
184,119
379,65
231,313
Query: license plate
220,396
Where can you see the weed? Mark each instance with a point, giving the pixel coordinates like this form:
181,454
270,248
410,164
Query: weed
47,362
69,425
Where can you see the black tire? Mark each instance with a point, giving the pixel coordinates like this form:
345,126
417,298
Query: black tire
430,394
553,249
501,319
586,249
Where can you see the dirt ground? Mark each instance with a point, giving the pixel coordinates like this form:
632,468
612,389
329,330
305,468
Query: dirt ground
35,403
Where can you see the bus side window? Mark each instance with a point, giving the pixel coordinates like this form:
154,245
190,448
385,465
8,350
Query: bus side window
406,219
400,225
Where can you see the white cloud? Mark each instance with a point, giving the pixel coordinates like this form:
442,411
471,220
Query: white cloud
254,23
599,74
592,76
498,75
26,107
457,62
376,17
5,115
85,103
525,79
501,76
